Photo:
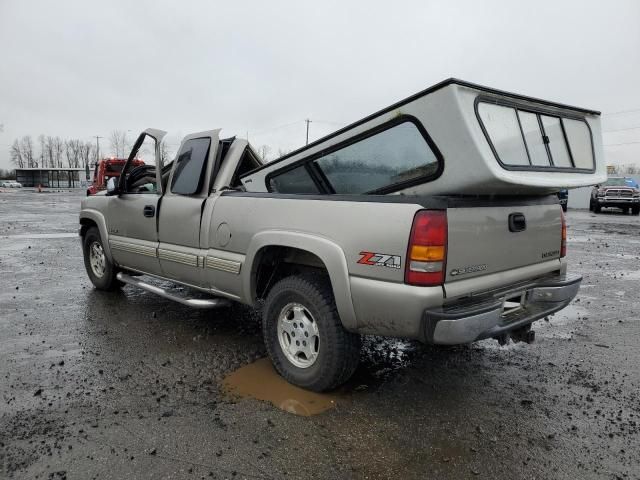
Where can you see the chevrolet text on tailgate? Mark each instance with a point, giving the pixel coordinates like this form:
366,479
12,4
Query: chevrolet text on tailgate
435,219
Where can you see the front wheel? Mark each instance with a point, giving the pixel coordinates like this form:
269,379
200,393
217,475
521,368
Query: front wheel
304,335
597,208
101,271
635,210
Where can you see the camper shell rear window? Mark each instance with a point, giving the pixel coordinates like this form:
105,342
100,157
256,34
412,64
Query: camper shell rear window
526,138
387,158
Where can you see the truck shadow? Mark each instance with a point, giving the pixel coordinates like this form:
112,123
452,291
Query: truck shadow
155,341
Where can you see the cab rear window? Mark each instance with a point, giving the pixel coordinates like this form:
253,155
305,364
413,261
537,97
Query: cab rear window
527,139
387,159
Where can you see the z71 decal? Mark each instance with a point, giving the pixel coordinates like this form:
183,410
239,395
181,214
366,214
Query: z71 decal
380,260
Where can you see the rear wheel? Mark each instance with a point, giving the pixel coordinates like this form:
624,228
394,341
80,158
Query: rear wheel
304,335
101,271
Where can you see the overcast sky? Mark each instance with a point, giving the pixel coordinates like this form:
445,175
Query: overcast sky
84,68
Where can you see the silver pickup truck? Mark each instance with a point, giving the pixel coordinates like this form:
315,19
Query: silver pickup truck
434,219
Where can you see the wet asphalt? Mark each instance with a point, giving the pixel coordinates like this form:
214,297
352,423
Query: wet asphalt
128,385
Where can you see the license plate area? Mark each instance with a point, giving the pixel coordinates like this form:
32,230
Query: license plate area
513,303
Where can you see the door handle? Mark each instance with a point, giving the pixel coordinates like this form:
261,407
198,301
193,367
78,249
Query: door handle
517,222
149,211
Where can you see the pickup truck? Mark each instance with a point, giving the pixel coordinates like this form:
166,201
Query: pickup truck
616,192
434,219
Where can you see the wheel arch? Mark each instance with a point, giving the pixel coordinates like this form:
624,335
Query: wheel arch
91,218
305,250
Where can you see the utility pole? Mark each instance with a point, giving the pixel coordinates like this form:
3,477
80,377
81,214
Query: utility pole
98,148
308,122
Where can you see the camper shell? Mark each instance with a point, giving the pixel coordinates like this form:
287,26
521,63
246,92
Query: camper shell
465,139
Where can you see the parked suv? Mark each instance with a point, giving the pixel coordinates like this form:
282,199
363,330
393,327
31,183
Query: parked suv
616,192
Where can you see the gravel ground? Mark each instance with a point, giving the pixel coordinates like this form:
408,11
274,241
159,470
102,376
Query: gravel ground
128,385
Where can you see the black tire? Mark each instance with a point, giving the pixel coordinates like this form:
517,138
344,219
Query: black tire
338,351
591,205
597,208
108,280
635,210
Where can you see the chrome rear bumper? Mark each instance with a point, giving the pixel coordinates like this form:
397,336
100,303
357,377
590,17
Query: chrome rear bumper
492,315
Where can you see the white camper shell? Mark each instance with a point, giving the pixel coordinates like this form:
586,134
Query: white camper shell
451,139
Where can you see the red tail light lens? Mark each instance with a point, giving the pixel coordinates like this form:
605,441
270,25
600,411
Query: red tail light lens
563,243
427,252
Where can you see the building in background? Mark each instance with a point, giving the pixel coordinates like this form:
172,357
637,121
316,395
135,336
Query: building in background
64,177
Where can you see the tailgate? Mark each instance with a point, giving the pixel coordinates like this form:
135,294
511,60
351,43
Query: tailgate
495,238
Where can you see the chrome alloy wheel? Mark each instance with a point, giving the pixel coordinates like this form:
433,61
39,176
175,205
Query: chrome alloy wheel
97,260
298,335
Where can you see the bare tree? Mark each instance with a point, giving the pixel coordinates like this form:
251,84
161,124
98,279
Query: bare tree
16,154
49,155
165,153
42,141
282,152
28,151
87,153
118,143
71,153
58,149
263,152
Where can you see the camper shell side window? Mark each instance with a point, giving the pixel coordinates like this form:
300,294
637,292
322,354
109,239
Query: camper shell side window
392,156
526,138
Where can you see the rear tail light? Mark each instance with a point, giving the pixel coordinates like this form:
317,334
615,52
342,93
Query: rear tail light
427,252
563,243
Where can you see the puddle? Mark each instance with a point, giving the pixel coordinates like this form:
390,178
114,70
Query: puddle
42,235
260,381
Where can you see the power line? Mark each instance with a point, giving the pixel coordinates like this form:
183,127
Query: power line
276,128
621,129
623,112
330,122
616,144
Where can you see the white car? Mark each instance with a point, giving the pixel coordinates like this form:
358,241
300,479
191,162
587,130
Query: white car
5,184
14,184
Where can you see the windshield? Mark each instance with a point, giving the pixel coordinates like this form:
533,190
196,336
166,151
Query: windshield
615,182
114,167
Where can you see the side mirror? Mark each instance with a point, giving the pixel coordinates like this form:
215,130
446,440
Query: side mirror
111,186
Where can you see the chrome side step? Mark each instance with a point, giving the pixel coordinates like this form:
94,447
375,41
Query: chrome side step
190,302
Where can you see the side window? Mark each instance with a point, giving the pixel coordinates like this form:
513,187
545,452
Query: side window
296,180
190,166
140,172
395,155
379,162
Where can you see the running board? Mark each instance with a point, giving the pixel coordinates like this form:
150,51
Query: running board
190,302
